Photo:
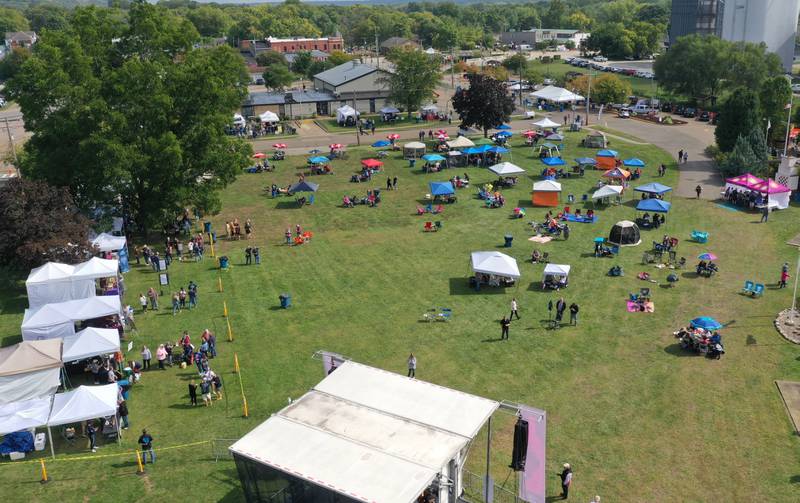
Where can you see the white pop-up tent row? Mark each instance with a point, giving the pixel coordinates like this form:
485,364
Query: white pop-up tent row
55,282
51,321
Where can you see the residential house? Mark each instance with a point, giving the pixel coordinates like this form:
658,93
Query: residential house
315,56
20,39
397,42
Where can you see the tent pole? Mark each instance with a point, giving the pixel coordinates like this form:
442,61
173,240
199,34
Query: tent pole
52,449
487,480
119,432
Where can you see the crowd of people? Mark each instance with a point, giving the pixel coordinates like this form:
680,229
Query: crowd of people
745,198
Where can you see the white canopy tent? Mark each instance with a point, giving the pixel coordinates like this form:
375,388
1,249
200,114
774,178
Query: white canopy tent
90,342
496,263
556,95
23,415
238,120
58,320
96,268
371,435
343,112
460,142
269,117
546,186
54,282
558,273
108,242
546,123
430,109
30,369
506,168
607,191
82,404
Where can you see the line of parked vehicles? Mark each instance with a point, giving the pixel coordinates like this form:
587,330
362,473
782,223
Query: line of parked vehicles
636,106
595,64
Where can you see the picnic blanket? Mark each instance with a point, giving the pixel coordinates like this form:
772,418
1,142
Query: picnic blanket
540,239
569,217
633,307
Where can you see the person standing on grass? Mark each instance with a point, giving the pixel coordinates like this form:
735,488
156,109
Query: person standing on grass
146,357
192,294
394,183
182,297
514,310
193,393
143,302
248,228
566,480
784,278
698,190
153,296
573,313
505,323
412,365
561,306
146,445
765,213
176,304
288,235
122,410
161,356
205,390
388,183
91,432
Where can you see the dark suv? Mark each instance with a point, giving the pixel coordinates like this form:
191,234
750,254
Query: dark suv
689,112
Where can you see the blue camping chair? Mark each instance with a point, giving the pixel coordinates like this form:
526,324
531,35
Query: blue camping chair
758,291
699,237
311,199
749,287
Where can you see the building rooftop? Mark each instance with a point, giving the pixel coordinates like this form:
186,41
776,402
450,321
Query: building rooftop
281,98
314,54
301,39
550,30
345,72
20,35
396,41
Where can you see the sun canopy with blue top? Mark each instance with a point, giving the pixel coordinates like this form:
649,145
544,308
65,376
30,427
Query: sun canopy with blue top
653,188
504,134
442,188
433,157
706,323
634,162
497,150
304,186
654,205
503,127
607,153
320,159
553,161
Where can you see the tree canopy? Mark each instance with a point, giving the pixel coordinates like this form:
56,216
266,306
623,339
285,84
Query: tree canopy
414,78
40,223
606,88
131,113
738,116
485,104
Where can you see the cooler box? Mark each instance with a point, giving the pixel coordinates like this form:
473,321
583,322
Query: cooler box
39,441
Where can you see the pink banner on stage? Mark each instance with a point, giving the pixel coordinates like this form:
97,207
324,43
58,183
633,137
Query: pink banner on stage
532,485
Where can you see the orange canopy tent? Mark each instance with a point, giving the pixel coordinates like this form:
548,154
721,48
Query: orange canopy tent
606,159
545,193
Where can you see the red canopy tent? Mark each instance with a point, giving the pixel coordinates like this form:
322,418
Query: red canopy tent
371,163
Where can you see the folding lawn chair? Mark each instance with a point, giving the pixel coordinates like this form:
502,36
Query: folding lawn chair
758,291
749,287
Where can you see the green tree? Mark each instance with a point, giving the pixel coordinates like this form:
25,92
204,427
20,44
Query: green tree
750,64
579,21
609,88
302,61
738,116
653,13
40,223
270,58
140,120
707,55
10,65
611,39
740,160
318,67
516,64
485,104
277,77
773,97
555,15
52,17
12,20
209,20
532,75
413,80
337,58
758,145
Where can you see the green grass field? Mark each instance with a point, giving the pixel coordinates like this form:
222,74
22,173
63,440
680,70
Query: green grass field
639,419
404,122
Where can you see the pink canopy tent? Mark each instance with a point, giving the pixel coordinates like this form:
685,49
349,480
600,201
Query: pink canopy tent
770,187
778,194
747,180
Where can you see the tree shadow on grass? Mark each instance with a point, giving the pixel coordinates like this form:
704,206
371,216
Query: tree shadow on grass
287,205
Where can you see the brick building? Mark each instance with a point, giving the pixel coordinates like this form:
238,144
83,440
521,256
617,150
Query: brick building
325,44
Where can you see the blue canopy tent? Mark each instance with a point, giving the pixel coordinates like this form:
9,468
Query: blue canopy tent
706,323
633,162
653,188
382,143
654,205
607,153
497,150
442,189
504,134
482,149
503,127
304,186
433,157
553,161
585,161
320,159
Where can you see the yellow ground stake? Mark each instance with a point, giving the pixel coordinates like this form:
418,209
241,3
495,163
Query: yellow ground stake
230,332
219,278
140,469
224,309
235,363
44,480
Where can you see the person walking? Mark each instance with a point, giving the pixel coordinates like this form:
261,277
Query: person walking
394,183
412,365
685,157
288,235
514,310
153,296
505,323
193,393
388,183
192,294
573,313
248,255
566,480
91,433
680,155
146,444
143,302
176,304
784,278
122,410
146,357
561,306
161,356
765,213
698,190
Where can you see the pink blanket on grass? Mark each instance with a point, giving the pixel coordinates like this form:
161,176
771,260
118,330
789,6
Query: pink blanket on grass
633,307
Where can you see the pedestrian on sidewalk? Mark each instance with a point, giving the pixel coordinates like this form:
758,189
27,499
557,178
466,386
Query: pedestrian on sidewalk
765,213
680,155
412,365
685,157
698,190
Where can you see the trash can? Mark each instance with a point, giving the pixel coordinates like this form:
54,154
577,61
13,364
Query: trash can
223,262
206,227
286,300
509,238
411,163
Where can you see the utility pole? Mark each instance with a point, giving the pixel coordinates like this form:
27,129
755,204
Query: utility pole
452,69
588,98
13,147
788,123
358,128
377,51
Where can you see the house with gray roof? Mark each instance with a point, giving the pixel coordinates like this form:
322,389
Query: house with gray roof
356,84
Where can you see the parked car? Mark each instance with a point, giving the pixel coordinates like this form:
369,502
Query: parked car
796,88
260,81
689,112
666,107
704,116
678,109
600,59
624,113
549,82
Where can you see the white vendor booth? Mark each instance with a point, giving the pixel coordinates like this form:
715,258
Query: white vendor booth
54,282
58,320
346,112
30,369
90,342
82,404
24,415
555,276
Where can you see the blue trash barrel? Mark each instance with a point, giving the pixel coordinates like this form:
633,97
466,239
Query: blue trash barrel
223,262
206,227
509,238
286,300
411,163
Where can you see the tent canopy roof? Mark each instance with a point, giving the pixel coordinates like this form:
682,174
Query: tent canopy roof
633,162
556,95
556,270
30,356
414,145
90,342
389,110
546,123
653,188
506,168
50,273
84,402
460,142
546,186
770,186
492,262
442,188
18,416
656,205
95,268
71,310
553,161
368,434
304,186
109,242
268,116
607,153
607,191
